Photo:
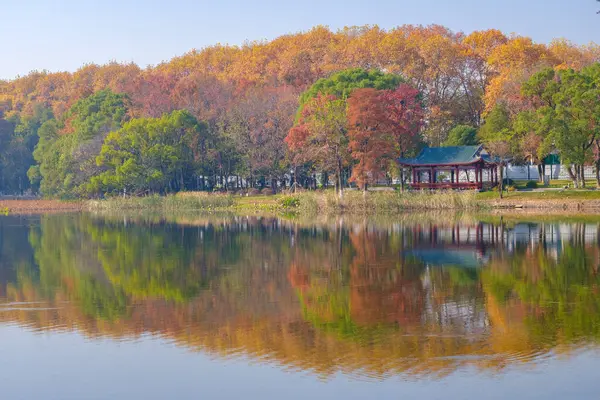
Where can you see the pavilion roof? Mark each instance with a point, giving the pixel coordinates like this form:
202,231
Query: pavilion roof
454,155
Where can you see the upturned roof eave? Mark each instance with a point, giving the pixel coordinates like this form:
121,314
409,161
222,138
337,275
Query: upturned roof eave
416,164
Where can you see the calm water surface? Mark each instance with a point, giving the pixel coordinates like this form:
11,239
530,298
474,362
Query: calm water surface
431,307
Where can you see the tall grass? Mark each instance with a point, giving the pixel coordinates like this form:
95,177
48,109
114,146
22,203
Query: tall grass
382,202
180,201
308,203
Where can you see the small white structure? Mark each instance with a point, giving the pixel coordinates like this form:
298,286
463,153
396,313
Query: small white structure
531,173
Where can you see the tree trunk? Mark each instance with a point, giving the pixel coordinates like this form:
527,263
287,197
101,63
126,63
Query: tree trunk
501,183
572,176
582,174
295,178
402,180
181,181
598,173
274,185
578,175
340,180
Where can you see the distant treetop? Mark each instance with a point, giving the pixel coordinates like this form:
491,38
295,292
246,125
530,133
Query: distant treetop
343,83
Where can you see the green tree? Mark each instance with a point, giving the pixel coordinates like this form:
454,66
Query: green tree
568,114
18,146
67,150
462,135
343,83
148,154
497,135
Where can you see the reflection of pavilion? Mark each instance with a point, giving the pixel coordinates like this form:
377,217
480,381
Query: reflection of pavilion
453,308
454,245
469,245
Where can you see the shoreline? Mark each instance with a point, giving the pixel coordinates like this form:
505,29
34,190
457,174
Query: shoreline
550,204
27,206
320,203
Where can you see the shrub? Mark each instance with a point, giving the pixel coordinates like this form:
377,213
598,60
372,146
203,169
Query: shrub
508,182
531,185
267,192
253,192
290,201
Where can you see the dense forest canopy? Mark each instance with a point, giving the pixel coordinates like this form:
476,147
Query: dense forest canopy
53,126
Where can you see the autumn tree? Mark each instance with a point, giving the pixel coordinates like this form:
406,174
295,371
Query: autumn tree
370,145
383,125
320,136
330,96
256,126
404,119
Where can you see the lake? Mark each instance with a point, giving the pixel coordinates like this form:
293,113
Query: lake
186,307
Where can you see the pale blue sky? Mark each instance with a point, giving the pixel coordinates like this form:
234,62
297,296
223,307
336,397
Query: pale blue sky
62,35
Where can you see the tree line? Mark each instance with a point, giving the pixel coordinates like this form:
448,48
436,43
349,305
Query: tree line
253,115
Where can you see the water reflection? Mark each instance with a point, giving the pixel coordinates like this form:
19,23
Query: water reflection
410,298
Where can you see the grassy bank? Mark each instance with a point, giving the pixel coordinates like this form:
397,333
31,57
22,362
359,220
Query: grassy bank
355,202
180,201
578,200
563,195
326,202
307,203
379,202
38,205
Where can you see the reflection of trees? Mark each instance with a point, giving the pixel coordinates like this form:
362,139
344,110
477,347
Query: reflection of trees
555,299
384,288
169,263
69,268
325,298
360,293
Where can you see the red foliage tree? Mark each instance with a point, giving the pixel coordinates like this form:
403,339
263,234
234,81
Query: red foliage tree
404,116
321,136
383,125
370,143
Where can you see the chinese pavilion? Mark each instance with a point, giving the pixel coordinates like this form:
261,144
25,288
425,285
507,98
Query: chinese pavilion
457,167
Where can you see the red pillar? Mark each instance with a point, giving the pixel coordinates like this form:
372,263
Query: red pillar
457,175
